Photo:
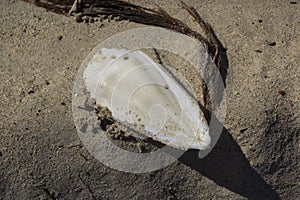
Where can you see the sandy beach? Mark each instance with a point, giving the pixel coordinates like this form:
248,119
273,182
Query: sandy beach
256,157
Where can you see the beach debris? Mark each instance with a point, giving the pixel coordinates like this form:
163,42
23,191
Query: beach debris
144,97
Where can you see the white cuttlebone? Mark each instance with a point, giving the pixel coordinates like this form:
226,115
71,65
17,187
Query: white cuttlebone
141,93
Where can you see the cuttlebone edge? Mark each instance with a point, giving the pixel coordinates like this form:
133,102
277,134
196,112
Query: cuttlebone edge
202,141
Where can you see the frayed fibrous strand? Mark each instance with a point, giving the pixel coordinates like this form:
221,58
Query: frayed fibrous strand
134,13
155,17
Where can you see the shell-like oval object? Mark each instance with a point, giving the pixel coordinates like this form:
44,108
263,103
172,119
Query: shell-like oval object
143,95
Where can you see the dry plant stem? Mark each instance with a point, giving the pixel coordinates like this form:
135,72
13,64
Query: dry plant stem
206,27
139,14
124,10
147,16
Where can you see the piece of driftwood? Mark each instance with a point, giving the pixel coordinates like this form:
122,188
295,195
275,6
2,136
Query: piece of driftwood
155,17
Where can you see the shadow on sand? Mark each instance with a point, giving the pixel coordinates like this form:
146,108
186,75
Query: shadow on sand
227,166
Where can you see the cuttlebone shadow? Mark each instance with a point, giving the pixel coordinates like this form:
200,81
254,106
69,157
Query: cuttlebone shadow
227,166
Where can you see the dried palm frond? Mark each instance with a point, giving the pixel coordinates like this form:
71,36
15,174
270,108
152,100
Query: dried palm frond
155,17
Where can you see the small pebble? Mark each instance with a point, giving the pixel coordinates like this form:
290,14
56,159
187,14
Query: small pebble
92,20
100,18
110,17
243,130
78,18
31,91
281,92
86,19
117,19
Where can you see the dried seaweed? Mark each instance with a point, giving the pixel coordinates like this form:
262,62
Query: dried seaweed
155,17
137,14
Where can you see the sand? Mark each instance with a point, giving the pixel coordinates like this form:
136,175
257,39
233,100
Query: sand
256,157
